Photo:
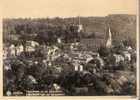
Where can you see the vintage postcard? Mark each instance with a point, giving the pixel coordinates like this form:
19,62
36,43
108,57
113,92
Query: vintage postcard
69,49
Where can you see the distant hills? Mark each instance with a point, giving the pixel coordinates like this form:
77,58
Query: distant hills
122,26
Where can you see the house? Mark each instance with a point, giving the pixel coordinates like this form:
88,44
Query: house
53,52
118,58
129,48
77,66
89,58
59,40
74,46
7,67
12,50
5,52
19,49
127,55
31,45
30,49
31,79
8,93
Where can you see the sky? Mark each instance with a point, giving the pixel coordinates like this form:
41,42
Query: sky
65,8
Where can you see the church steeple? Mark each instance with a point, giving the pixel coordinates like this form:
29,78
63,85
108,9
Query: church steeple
109,40
80,26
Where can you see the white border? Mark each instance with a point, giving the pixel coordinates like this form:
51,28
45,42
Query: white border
75,97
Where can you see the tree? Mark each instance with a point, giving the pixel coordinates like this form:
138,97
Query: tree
129,42
103,51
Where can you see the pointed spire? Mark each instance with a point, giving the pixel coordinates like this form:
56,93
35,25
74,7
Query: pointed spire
80,27
110,35
109,40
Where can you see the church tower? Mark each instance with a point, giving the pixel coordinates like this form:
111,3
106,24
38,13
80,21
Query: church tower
80,26
109,40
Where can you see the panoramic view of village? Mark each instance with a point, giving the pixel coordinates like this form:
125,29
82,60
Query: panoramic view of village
75,56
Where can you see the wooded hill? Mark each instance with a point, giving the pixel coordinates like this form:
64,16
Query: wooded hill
122,26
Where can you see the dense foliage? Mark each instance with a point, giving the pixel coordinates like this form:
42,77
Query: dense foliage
123,27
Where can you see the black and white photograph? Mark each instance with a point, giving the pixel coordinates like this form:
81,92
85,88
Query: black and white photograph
70,48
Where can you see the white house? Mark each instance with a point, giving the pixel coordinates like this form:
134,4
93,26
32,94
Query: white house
30,47
32,79
59,40
118,58
33,43
127,55
7,67
73,46
129,48
89,59
19,49
80,67
52,50
77,66
12,50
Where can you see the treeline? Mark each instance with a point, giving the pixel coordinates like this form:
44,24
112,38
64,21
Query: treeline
122,26
42,32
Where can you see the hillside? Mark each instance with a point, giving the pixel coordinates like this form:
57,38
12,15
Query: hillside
122,26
